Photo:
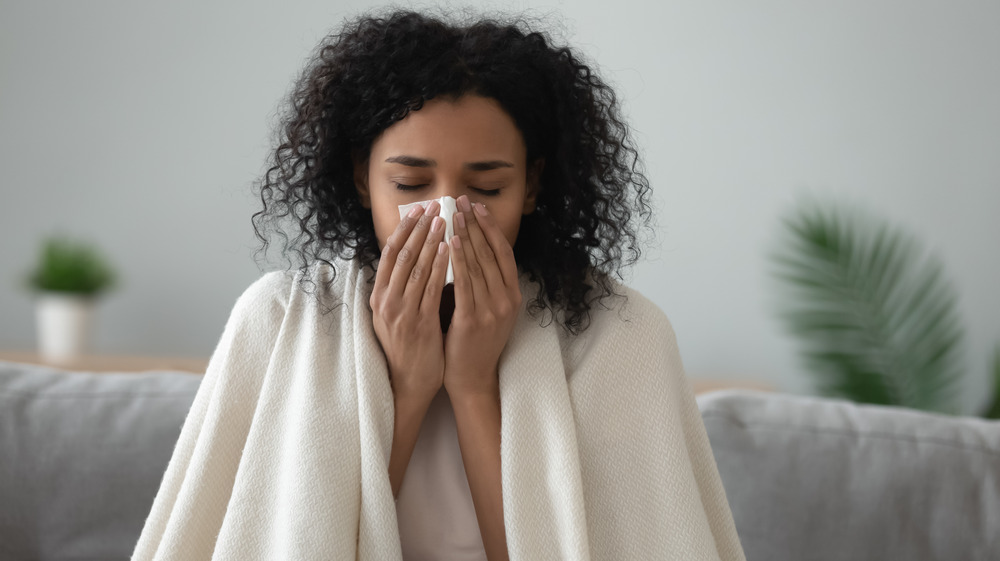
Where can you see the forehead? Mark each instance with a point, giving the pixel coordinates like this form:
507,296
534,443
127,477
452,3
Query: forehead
464,129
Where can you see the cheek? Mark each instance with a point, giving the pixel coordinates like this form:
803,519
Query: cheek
510,223
386,220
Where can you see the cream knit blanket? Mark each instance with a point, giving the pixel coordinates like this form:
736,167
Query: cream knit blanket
284,453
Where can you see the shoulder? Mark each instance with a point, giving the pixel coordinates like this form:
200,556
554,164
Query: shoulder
252,328
321,283
269,294
628,313
270,286
624,324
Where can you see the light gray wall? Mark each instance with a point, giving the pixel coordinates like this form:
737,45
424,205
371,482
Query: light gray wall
142,126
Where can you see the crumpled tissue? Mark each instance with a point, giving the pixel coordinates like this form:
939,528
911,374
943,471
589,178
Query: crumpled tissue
448,210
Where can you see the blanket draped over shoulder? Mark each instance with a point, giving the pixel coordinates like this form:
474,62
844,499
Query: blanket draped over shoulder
284,453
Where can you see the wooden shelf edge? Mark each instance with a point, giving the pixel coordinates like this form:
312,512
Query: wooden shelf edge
111,363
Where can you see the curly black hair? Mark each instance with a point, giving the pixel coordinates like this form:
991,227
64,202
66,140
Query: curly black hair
593,199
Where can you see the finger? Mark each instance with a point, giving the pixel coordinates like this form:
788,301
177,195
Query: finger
498,242
431,301
392,246
477,281
409,253
463,284
422,269
485,255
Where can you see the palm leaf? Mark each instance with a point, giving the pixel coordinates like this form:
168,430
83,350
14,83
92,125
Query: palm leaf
875,319
993,411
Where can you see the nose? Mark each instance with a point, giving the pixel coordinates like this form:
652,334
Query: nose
447,188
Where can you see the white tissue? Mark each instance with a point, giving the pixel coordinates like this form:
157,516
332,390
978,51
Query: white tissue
448,210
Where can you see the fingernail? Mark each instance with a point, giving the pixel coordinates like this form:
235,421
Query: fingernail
460,219
442,248
456,241
481,209
415,211
463,203
433,208
437,223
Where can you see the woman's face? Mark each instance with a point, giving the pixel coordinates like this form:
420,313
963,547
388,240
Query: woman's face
469,146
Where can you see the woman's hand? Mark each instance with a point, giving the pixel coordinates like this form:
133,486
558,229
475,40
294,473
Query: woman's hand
487,302
405,302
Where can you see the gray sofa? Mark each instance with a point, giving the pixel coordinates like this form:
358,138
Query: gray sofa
81,457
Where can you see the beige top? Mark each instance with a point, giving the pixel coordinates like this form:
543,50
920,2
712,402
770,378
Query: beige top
437,519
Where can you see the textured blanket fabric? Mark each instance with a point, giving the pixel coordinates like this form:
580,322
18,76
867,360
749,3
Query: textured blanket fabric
284,453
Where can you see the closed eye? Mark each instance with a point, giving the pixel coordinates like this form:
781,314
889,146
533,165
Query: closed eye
487,192
405,187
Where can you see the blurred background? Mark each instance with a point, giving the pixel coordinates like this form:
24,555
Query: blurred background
141,127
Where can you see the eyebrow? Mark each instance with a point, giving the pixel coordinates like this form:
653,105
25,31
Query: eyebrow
413,161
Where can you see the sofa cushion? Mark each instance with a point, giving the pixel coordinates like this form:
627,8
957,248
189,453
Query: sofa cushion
825,480
82,456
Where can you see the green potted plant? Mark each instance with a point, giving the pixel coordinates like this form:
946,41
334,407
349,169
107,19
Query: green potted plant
67,281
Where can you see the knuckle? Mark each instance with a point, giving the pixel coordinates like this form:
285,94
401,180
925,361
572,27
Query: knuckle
390,309
486,252
404,255
417,273
429,291
504,309
475,271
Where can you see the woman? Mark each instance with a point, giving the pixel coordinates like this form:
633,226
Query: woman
532,409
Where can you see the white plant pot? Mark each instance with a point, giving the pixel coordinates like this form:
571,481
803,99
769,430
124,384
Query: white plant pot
65,323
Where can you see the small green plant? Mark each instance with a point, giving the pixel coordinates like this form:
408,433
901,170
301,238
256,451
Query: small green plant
71,267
